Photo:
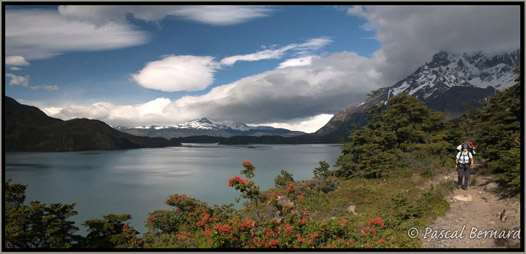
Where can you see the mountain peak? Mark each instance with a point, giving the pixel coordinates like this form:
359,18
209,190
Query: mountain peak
444,84
440,59
203,120
447,70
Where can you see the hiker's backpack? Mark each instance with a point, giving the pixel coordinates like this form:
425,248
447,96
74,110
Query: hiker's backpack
471,148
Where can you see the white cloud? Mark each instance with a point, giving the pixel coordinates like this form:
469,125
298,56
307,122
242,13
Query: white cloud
152,112
312,45
45,87
16,60
221,15
24,81
260,55
39,34
305,48
326,86
103,14
51,111
308,125
178,73
194,73
17,80
154,107
357,10
300,61
14,68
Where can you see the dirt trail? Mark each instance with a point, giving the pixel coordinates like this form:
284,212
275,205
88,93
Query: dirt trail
475,220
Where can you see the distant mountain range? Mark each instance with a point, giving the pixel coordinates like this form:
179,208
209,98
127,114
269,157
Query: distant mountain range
27,128
206,127
445,84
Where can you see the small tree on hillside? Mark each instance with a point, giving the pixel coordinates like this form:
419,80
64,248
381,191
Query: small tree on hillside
284,179
402,125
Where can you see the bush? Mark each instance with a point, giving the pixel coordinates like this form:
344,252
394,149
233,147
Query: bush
193,224
284,179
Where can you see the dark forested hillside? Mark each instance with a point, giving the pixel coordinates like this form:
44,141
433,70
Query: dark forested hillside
29,129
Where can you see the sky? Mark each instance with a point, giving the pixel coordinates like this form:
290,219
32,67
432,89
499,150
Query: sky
288,66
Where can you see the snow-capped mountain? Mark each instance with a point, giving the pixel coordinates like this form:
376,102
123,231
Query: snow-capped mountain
452,70
445,84
205,126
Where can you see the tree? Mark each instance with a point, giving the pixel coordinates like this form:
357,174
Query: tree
284,179
36,225
402,125
322,171
106,233
499,130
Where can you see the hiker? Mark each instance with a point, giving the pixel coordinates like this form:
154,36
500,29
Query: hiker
471,148
464,163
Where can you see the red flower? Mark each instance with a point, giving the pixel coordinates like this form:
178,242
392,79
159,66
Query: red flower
367,245
247,224
247,163
290,188
236,180
313,235
207,232
223,228
381,241
376,221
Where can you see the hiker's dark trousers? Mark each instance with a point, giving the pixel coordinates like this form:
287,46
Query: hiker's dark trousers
463,172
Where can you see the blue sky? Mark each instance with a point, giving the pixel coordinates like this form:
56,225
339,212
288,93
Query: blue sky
284,66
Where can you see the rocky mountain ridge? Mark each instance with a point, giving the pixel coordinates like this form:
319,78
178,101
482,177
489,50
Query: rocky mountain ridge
447,84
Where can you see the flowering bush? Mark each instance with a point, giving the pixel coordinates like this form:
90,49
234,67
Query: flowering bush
193,224
247,187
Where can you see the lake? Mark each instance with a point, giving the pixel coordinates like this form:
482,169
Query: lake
138,181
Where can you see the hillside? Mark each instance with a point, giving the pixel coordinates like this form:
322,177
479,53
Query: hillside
29,129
